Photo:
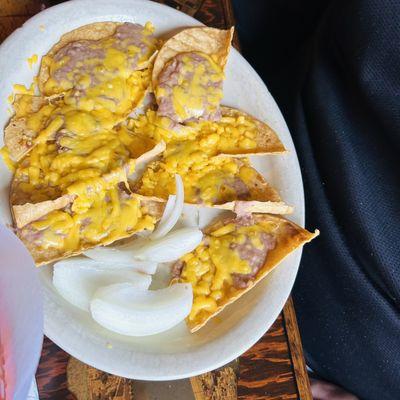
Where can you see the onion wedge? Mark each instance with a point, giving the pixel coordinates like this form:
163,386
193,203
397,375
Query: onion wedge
118,255
77,279
172,212
168,248
124,309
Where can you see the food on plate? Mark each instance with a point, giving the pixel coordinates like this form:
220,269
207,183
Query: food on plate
120,133
234,256
71,193
103,65
160,128
78,278
205,154
222,182
163,249
172,211
188,73
123,309
100,219
58,166
236,133
25,125
72,155
145,253
100,68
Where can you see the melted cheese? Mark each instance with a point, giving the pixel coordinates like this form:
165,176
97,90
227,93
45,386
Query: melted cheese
198,87
78,150
5,154
230,135
108,80
21,89
210,267
32,60
99,217
206,180
192,152
190,94
160,128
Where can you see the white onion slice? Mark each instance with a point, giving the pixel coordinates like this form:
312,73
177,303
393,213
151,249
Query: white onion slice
77,279
115,255
169,207
123,309
171,213
168,248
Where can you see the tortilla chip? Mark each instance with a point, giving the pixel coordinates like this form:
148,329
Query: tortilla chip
42,257
143,148
267,140
94,31
256,206
31,103
211,41
262,197
289,237
18,138
25,212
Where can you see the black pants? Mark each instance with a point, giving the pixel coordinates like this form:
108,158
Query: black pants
334,69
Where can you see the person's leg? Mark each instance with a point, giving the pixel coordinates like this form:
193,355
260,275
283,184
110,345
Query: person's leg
339,91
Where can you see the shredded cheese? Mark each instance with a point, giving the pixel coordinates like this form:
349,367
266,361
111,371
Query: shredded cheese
211,266
78,150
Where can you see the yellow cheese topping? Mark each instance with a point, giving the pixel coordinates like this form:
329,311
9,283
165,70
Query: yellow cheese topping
5,154
211,266
190,86
82,150
206,180
79,149
229,135
32,60
160,128
21,89
103,74
191,152
99,217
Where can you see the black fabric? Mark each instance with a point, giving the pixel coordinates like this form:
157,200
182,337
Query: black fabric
334,69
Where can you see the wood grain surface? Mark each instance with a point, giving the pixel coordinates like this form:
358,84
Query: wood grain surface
273,368
88,383
51,375
266,370
296,351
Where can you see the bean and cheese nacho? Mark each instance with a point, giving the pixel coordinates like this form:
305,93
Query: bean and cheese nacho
27,122
100,68
71,153
205,154
108,214
240,134
234,256
235,134
100,65
220,182
78,152
188,73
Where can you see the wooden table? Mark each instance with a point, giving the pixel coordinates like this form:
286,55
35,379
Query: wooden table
274,368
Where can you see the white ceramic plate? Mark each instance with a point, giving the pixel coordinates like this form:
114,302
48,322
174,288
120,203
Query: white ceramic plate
176,353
